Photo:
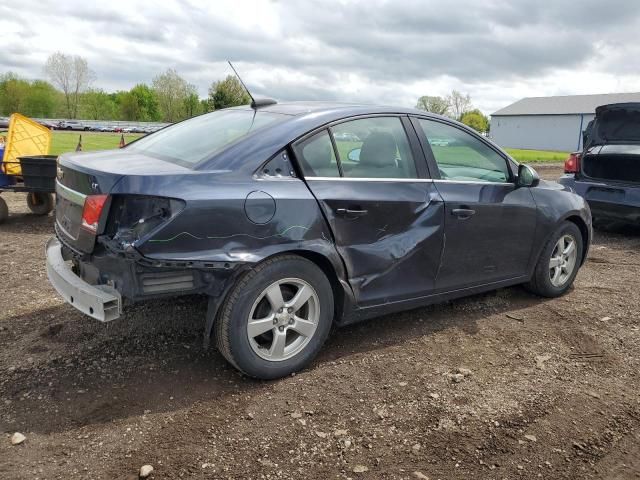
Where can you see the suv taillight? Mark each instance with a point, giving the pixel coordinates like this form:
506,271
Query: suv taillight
92,210
572,163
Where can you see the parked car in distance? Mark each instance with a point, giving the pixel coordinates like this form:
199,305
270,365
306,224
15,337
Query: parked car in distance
4,122
263,210
71,125
50,125
607,171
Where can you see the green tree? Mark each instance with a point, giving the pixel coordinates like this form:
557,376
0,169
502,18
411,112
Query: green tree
42,100
171,91
204,106
476,120
147,102
98,105
13,94
437,105
227,93
129,106
192,105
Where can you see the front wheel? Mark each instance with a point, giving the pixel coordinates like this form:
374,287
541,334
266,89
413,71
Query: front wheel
559,262
276,318
40,203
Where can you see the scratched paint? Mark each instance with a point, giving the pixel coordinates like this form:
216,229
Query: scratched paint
225,237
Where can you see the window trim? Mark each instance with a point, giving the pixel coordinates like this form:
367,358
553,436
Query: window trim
419,158
431,159
374,179
335,152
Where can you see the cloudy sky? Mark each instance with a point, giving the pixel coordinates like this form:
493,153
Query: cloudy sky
372,51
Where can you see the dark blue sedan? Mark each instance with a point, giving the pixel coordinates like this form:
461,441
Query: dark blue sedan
294,217
607,172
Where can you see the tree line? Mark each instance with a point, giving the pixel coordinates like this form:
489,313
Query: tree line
458,106
68,92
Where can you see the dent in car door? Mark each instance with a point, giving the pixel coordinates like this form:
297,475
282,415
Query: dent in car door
385,216
389,235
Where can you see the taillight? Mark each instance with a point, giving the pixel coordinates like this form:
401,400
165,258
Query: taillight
93,206
572,163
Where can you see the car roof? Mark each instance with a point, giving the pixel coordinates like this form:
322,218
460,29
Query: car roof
347,109
304,117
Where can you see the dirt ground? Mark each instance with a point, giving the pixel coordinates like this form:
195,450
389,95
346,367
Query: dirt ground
549,388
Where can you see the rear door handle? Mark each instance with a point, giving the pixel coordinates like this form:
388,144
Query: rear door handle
463,213
351,212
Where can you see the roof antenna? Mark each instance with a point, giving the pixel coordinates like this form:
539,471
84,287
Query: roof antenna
255,103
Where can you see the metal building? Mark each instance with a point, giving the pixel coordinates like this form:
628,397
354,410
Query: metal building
550,123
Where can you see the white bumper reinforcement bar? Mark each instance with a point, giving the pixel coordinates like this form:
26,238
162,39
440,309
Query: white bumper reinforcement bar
101,302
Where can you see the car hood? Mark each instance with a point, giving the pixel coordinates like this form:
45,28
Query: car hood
615,123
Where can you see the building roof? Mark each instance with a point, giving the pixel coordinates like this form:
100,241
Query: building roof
565,104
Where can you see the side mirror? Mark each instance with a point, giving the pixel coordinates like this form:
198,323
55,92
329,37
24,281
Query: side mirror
354,155
527,176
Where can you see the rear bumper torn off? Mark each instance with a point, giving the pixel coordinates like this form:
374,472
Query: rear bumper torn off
98,301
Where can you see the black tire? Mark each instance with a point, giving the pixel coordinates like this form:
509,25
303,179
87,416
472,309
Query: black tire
40,203
540,282
4,210
231,335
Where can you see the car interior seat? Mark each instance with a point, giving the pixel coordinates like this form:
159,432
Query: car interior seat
378,157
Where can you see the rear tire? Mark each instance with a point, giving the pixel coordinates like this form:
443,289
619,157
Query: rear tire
4,210
40,203
558,263
276,318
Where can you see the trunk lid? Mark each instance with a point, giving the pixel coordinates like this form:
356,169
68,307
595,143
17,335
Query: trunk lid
616,123
83,174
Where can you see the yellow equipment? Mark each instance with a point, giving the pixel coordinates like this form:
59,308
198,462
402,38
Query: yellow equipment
25,137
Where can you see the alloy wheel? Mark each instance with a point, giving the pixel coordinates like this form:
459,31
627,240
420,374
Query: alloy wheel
563,260
283,319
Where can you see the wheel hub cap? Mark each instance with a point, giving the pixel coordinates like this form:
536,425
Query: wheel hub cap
283,318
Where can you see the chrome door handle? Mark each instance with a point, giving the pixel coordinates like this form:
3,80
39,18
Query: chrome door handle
351,212
463,213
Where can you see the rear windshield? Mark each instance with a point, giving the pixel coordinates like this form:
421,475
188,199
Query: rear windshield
192,141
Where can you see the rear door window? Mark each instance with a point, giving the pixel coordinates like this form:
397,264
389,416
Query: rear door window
375,147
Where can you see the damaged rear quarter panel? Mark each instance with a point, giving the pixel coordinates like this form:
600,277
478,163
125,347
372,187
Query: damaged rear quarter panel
214,226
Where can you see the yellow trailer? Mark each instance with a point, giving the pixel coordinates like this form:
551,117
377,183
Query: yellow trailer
26,165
